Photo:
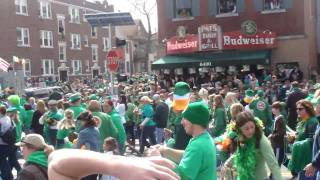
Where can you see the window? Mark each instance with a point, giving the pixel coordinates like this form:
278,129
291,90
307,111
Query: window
94,52
76,41
227,6
273,4
47,67
183,8
62,52
94,31
27,67
106,44
23,36
61,25
74,15
46,39
45,10
76,67
21,7
86,40
87,66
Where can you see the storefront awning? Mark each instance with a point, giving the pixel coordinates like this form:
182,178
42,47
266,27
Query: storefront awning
211,59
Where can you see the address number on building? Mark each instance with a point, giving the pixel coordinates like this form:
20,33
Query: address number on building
205,64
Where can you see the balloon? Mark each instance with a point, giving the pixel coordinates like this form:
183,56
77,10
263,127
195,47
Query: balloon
14,100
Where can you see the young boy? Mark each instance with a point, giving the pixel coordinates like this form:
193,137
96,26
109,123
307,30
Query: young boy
110,148
277,137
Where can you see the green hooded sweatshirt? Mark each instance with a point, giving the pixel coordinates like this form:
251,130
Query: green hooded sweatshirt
115,117
28,119
39,158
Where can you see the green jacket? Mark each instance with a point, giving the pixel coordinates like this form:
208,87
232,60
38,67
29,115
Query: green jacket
107,127
130,116
28,119
171,119
306,130
262,110
220,122
77,110
115,117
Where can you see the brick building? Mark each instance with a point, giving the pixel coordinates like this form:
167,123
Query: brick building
51,38
293,22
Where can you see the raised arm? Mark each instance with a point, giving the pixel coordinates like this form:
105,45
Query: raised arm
73,164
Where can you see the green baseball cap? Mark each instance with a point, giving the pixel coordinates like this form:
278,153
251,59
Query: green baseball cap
74,98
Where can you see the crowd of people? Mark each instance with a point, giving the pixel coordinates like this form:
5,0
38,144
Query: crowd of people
181,132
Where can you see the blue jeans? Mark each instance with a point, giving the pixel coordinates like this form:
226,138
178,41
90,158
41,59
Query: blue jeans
6,173
147,132
159,135
301,176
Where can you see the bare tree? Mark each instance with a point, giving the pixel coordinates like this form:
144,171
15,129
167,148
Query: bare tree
146,9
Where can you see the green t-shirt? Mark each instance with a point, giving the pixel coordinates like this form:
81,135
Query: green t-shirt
199,159
18,130
28,119
220,122
147,112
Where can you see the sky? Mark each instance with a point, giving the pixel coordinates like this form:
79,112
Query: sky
126,6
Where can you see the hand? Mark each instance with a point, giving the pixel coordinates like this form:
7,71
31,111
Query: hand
146,169
156,150
310,170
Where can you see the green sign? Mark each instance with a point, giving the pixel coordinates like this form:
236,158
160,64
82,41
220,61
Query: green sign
249,27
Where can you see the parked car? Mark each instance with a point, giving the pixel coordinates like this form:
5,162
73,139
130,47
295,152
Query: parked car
43,93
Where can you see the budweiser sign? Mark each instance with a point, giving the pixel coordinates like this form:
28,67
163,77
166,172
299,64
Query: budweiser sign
209,37
238,40
187,44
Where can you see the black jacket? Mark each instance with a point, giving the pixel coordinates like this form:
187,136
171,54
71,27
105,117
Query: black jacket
293,98
161,115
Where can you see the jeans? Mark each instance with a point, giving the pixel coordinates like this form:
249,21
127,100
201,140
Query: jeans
147,132
53,137
129,126
280,155
13,158
6,173
159,135
302,176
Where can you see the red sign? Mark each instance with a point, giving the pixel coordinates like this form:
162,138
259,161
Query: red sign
120,53
238,40
113,60
187,44
209,37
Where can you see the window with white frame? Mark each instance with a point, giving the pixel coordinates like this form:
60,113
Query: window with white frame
76,41
94,52
23,38
86,40
94,32
106,43
61,25
45,10
74,14
46,39
27,67
21,7
227,6
47,67
272,4
62,51
76,67
183,8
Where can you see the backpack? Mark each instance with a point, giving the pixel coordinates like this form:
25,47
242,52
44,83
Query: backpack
10,135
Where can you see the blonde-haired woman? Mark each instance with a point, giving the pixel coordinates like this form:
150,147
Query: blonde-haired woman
35,151
65,127
231,98
36,127
219,117
235,109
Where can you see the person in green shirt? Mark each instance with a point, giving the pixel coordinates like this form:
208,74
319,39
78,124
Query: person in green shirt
107,127
50,121
108,108
75,106
219,117
262,110
65,127
131,118
198,161
28,118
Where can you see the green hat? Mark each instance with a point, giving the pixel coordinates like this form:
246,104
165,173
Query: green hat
93,97
74,98
249,93
12,109
197,113
260,93
181,88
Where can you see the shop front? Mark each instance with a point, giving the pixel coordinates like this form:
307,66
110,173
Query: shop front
213,51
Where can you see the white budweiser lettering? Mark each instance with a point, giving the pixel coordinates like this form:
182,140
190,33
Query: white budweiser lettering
240,40
181,45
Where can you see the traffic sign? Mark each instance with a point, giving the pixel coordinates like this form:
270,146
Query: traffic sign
112,60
